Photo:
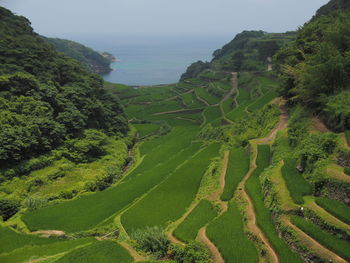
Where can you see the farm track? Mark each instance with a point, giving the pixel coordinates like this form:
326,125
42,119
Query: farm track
202,237
234,83
242,192
312,244
135,255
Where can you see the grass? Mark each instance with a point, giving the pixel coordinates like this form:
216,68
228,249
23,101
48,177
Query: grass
336,208
202,214
296,183
190,100
86,212
212,113
169,200
237,168
228,105
101,251
225,85
347,135
337,245
11,240
30,252
347,170
263,215
227,233
263,100
205,95
146,129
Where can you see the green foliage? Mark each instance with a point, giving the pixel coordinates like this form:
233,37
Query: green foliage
8,208
261,102
297,125
347,170
194,69
46,97
336,208
194,252
237,168
347,135
297,185
263,215
205,95
339,246
212,113
228,235
169,200
202,214
91,59
146,129
100,251
314,70
152,240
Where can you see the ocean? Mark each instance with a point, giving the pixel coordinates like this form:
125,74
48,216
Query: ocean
153,60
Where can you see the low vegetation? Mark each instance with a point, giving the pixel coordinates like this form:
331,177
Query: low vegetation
336,208
202,214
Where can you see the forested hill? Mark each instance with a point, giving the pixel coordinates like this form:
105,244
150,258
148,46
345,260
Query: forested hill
46,98
248,51
315,69
88,57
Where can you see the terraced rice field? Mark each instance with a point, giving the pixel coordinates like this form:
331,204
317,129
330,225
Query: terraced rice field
297,185
263,215
238,166
101,251
227,233
212,113
336,208
205,95
335,244
87,211
169,200
146,129
202,214
262,101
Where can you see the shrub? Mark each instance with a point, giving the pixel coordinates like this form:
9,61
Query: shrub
8,208
347,170
152,239
33,203
194,252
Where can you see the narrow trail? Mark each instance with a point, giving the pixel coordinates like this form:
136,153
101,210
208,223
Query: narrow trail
343,137
202,237
311,243
269,64
49,233
234,83
242,193
216,195
201,99
135,255
318,125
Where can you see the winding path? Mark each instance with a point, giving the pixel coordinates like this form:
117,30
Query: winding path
202,237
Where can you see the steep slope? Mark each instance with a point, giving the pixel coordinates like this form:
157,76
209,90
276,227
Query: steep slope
91,59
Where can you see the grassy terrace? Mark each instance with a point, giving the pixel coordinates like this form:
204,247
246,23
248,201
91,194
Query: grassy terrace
237,168
263,215
212,113
297,185
202,214
205,95
337,245
227,233
101,251
146,129
169,200
35,250
88,211
262,101
336,208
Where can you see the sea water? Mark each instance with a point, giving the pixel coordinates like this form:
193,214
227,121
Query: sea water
154,60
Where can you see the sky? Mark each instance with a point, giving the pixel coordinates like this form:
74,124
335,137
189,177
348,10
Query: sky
84,18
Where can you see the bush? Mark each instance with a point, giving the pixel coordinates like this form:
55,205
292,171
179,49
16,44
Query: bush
194,252
153,240
8,208
347,170
33,203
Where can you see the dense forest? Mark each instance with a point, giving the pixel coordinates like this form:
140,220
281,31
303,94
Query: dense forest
91,59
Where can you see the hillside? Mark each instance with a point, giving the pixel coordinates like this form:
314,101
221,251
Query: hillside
91,59
248,164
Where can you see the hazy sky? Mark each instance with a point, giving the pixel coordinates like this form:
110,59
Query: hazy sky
63,18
